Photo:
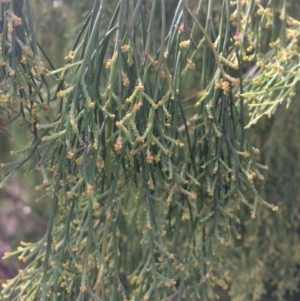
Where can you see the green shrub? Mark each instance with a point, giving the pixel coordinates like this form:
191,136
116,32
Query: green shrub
143,145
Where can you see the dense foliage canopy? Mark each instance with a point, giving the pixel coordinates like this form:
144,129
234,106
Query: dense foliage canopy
142,142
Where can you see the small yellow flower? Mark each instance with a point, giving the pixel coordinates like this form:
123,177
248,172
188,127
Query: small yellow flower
191,64
184,44
89,189
126,81
225,85
70,56
119,144
149,158
130,62
125,48
140,88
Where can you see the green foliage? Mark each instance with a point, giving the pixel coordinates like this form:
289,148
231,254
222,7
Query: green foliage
147,194
267,261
